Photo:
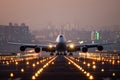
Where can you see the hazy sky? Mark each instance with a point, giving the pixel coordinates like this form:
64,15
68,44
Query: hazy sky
37,13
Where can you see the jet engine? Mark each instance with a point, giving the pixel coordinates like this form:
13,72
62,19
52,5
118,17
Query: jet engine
37,49
85,49
22,48
100,48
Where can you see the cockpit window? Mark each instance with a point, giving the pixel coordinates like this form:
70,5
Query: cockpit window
61,36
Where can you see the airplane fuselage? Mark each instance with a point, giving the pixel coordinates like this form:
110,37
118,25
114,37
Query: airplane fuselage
61,44
60,47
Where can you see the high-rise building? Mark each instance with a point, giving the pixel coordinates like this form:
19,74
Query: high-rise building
95,35
13,33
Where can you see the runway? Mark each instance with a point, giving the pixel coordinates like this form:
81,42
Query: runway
61,68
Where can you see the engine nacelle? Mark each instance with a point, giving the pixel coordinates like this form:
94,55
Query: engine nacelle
22,48
78,49
100,48
85,49
37,49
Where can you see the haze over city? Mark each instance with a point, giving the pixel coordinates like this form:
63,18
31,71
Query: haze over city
39,13
59,40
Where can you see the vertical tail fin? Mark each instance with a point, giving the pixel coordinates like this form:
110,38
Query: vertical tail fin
60,30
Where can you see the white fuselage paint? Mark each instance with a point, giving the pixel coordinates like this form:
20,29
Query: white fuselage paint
61,43
60,39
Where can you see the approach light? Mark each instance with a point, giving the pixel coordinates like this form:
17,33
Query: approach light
93,62
113,74
33,77
84,62
91,77
85,72
7,63
103,63
69,63
88,64
36,74
33,65
118,61
11,74
52,62
37,63
94,67
88,74
16,63
113,62
27,63
102,70
22,70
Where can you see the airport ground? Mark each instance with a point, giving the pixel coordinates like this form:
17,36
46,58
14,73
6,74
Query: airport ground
81,66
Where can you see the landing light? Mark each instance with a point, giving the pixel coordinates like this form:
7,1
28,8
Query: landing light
22,70
72,46
50,46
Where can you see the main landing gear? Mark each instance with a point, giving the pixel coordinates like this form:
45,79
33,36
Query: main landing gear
57,54
61,54
51,54
70,54
65,54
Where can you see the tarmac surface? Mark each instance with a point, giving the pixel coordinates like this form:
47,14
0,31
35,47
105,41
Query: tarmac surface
60,68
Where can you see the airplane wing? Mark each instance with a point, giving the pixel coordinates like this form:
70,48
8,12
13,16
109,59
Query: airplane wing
94,44
45,47
70,47
48,41
84,47
26,44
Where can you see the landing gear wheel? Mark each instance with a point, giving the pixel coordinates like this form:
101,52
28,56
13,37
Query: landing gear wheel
65,54
51,54
70,54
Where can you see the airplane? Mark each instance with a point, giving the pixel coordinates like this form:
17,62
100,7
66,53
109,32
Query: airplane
60,46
